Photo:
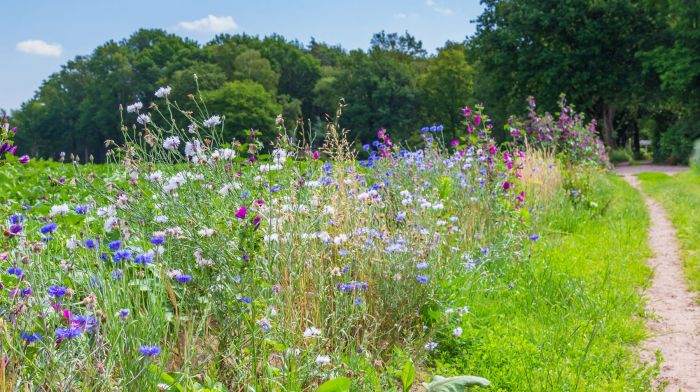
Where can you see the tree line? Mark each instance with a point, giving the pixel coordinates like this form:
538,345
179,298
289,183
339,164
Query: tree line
633,65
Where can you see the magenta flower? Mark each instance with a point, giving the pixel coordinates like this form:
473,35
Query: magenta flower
477,120
506,185
240,214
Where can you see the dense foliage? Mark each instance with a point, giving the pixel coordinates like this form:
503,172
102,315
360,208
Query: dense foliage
633,65
200,263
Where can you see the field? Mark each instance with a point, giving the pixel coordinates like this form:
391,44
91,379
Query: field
215,267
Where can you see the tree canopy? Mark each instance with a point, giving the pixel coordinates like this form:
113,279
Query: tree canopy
632,65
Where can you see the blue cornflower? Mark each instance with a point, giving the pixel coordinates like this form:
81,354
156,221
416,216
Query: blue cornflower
14,270
275,188
440,128
144,258
375,143
90,243
149,351
57,291
30,337
534,237
17,219
365,147
184,278
85,322
422,265
117,274
46,239
115,245
82,209
245,194
157,240
244,299
425,129
485,251
48,228
422,279
122,255
433,128
26,206
68,333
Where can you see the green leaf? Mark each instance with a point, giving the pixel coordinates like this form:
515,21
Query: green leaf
340,384
408,375
168,379
455,384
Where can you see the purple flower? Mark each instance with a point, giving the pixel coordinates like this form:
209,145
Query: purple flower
149,351
117,274
144,258
240,214
184,278
30,337
157,240
422,279
534,237
15,229
17,219
68,333
24,159
244,299
115,245
82,210
57,291
48,228
90,244
14,270
122,255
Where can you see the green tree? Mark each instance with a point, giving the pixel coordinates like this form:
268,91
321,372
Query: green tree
250,65
447,86
585,48
245,104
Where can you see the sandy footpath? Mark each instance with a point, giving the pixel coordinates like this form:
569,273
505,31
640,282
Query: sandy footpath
675,320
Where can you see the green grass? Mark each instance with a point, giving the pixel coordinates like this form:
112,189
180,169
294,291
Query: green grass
568,316
680,196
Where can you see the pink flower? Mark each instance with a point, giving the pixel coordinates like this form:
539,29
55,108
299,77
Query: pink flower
3,256
506,185
316,155
477,120
466,111
24,159
493,150
455,143
240,214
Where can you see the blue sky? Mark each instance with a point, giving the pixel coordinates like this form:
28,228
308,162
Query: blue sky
39,36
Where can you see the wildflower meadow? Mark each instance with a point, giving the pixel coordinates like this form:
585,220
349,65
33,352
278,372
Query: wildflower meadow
191,262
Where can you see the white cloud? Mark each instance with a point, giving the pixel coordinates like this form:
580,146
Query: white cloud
39,48
439,9
400,15
212,23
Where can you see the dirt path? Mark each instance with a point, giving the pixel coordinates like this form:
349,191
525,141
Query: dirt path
676,316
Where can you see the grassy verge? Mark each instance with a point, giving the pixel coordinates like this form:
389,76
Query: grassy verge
680,196
567,316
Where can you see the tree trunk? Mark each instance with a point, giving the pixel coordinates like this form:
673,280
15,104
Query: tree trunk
635,137
608,127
